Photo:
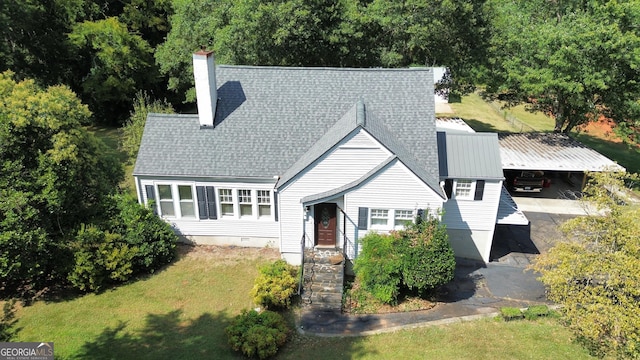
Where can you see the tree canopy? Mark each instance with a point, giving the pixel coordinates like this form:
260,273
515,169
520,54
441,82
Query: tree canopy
342,33
595,273
55,175
573,60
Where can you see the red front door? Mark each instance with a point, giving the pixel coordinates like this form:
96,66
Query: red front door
325,220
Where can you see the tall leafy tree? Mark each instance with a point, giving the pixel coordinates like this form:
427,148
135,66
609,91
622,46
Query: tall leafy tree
256,32
595,273
118,63
573,60
54,175
32,38
341,33
450,33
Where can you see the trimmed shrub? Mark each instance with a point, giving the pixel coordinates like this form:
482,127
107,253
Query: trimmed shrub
511,313
418,258
257,334
140,227
131,241
100,257
276,284
427,257
379,267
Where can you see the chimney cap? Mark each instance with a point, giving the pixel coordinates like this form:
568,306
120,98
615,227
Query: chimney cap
203,51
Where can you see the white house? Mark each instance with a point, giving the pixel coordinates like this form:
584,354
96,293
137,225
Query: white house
303,157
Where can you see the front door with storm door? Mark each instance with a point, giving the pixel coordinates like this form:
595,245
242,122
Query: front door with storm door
325,220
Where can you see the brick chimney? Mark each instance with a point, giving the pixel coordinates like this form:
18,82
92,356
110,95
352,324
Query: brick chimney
204,72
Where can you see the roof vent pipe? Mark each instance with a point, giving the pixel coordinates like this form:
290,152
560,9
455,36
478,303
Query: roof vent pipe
204,73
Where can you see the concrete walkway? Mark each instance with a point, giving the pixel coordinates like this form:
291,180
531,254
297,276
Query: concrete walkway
475,292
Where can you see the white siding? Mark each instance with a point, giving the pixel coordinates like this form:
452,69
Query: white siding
394,188
348,161
221,227
474,214
471,244
471,223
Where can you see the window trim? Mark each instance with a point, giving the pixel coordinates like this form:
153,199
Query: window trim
192,201
411,218
390,218
172,200
221,202
373,226
269,204
176,200
472,189
250,203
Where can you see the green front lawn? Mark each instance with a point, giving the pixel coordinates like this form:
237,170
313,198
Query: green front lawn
181,313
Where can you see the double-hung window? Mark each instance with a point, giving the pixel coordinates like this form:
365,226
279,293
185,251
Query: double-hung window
187,207
264,203
402,218
464,189
176,201
379,218
245,202
225,197
165,199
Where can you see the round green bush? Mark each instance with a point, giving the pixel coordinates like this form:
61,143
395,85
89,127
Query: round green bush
257,334
275,285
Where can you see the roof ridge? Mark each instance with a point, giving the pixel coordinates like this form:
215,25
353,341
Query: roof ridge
325,68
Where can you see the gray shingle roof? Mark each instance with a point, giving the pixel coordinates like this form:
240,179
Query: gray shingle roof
469,155
269,118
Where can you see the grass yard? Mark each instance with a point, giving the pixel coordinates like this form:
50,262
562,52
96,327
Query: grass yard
181,313
480,115
178,313
482,339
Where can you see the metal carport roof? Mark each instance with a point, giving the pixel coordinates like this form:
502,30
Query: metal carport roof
550,152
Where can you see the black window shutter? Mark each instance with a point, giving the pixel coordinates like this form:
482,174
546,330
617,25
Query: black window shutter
151,197
275,206
202,202
211,203
448,187
363,218
479,190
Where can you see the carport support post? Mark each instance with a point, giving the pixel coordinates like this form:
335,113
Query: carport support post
584,180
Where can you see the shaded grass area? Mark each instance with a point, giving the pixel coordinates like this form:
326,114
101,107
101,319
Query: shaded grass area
111,136
482,339
181,313
178,313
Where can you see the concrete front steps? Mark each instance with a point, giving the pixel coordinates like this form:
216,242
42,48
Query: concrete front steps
323,279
